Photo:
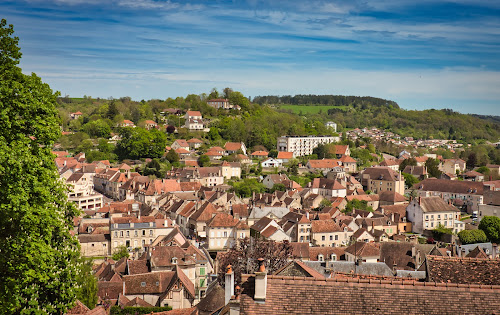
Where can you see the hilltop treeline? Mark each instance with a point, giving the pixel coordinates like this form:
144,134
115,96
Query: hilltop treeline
334,100
426,124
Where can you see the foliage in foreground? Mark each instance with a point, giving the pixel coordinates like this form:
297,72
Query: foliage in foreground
243,258
38,255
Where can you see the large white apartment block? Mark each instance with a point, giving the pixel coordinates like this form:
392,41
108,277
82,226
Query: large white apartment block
303,145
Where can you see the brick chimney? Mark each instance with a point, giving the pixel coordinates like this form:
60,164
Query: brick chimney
261,282
228,284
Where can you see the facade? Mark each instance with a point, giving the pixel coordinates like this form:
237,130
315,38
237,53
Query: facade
135,232
466,194
194,120
327,233
82,192
380,179
303,145
223,231
427,213
331,124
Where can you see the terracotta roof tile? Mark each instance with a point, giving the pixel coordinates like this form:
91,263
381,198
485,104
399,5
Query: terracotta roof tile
324,226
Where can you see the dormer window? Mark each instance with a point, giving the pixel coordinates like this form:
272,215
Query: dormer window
334,257
143,284
174,260
321,257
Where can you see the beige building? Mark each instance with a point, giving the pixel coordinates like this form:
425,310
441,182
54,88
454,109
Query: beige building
380,179
135,232
427,213
452,166
223,231
327,233
466,194
95,245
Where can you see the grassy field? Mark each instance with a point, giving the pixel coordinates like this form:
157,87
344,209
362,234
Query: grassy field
309,109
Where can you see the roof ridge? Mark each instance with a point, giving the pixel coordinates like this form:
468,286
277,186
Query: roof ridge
384,283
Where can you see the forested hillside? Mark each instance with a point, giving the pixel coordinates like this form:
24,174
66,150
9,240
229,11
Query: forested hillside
359,112
334,100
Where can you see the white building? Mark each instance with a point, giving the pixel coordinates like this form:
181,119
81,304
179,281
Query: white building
331,124
303,145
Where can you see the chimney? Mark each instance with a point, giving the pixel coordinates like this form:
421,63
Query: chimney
307,215
373,226
261,282
123,291
228,284
494,250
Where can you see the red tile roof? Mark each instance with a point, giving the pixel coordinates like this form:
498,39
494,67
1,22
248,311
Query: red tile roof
260,153
325,163
285,155
192,113
306,295
233,146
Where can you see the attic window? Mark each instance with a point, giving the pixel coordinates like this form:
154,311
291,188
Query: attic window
143,284
321,258
334,257
174,260
157,283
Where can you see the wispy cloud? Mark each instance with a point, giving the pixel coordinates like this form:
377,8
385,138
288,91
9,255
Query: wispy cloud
416,53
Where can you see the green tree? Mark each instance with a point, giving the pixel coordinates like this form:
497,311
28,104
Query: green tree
410,180
237,98
140,143
279,187
204,160
97,129
273,154
406,162
491,227
38,255
432,166
471,160
357,204
112,110
87,284
472,236
120,252
172,156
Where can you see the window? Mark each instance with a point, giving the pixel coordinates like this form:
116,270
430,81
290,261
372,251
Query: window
320,257
202,271
150,232
121,233
426,217
135,233
174,260
143,284
323,238
157,283
225,234
336,237
432,224
116,233
128,233
331,237
439,217
143,232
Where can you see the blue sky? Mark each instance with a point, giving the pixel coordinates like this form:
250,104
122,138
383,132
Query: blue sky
421,54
